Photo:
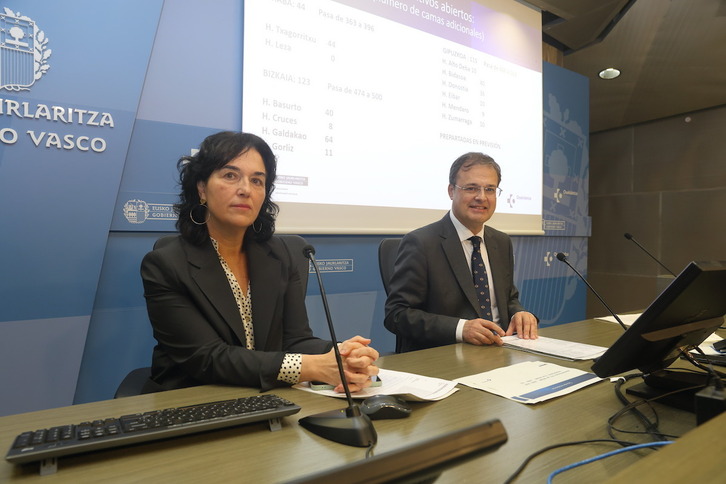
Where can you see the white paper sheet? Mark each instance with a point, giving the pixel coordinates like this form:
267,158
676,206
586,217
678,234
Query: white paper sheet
627,319
531,381
555,347
408,386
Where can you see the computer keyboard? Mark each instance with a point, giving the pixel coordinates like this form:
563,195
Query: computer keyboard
65,440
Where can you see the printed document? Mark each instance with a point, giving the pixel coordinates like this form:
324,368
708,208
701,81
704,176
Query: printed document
409,386
555,347
530,381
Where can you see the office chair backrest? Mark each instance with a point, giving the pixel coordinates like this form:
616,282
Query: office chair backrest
387,251
133,383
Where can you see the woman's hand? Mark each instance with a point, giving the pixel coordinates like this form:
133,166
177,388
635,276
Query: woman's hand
358,367
358,359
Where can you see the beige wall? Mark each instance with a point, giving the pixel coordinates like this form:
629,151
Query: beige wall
665,183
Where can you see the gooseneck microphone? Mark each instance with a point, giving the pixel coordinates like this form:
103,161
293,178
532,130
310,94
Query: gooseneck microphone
347,426
630,237
562,258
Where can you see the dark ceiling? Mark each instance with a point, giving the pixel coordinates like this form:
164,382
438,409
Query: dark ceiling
672,54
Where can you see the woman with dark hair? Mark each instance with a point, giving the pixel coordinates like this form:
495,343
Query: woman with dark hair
224,298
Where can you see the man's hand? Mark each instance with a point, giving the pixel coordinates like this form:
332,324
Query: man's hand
482,332
524,324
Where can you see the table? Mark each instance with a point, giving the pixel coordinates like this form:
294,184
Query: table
697,457
254,454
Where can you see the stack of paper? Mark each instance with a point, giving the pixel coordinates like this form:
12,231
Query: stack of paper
555,347
408,386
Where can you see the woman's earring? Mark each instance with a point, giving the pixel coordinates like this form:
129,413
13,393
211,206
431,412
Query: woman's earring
202,203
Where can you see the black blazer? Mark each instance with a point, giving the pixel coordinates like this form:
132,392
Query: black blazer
198,326
432,289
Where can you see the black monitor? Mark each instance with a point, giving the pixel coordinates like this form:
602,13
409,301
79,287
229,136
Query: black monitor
684,314
422,461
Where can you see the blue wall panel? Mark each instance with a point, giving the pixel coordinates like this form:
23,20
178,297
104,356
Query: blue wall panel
566,143
354,288
548,287
62,152
39,362
120,337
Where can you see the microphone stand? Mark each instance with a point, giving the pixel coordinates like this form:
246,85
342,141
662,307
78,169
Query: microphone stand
347,426
630,237
562,258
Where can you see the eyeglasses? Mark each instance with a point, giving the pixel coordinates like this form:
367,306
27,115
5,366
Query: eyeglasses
473,190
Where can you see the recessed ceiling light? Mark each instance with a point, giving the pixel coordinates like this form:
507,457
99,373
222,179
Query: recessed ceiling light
609,73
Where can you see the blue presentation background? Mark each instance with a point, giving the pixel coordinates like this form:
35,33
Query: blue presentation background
55,203
566,148
74,289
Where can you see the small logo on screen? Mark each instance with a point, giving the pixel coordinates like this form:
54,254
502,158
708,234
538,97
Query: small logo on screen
24,51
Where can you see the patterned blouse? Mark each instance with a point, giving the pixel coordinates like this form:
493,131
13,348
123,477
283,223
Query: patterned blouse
292,362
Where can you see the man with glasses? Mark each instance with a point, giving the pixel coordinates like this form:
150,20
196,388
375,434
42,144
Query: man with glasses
453,279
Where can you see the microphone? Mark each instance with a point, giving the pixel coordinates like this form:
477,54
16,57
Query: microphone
630,237
562,258
347,426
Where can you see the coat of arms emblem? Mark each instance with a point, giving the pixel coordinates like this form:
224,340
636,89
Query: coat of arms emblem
23,51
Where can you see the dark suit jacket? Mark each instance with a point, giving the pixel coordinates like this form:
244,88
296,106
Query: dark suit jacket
198,326
431,288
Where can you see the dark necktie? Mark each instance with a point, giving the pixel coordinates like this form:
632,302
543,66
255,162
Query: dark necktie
481,284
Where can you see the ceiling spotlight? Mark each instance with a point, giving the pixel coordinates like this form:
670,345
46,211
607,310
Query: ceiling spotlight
609,73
